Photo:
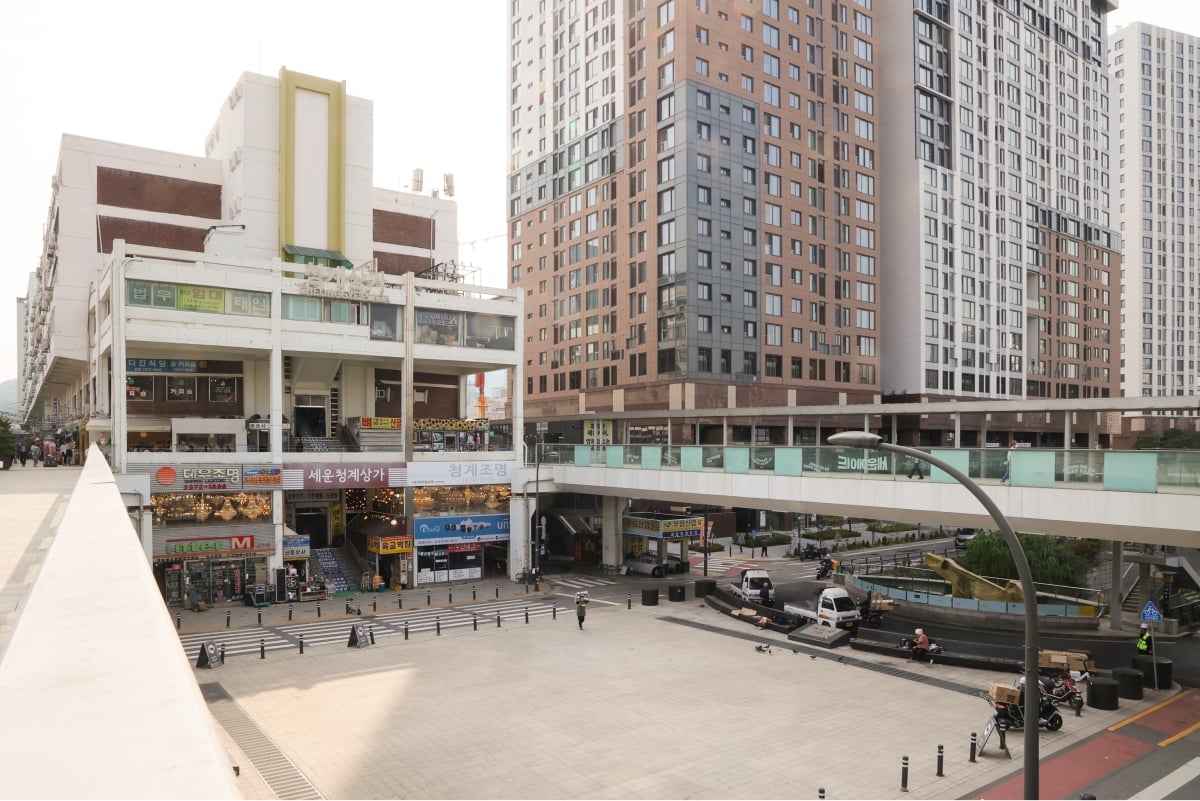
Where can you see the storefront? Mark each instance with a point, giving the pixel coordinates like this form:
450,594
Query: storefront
393,559
451,548
648,538
215,568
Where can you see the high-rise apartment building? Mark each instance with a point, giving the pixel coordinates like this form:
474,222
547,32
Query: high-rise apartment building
1154,82
694,203
780,202
1001,263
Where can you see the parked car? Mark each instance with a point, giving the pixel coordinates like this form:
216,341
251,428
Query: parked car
963,536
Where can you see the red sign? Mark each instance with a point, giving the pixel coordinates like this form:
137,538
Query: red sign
165,476
464,548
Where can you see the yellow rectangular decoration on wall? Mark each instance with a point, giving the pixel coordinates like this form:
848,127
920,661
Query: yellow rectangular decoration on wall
289,84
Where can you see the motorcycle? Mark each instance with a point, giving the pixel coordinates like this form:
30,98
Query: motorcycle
825,570
1062,688
869,615
1012,716
934,648
813,552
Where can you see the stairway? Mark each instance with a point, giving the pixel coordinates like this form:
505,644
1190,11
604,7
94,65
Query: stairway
336,567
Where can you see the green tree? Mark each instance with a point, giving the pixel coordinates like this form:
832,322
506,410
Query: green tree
1050,561
8,443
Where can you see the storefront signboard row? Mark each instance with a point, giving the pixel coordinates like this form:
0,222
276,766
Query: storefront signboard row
456,530
296,547
199,542
323,477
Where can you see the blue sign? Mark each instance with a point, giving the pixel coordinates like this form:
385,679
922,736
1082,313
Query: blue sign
1150,613
453,530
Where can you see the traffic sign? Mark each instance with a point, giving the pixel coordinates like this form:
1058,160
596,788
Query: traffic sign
1150,613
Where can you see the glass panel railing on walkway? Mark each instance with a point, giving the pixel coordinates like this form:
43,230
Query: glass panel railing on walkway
1121,471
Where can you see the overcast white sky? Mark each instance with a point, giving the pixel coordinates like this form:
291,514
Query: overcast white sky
153,74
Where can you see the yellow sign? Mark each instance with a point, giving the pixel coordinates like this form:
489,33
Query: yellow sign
382,422
200,298
389,545
597,432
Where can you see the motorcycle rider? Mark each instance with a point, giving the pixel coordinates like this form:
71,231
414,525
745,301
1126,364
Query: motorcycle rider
920,648
1144,645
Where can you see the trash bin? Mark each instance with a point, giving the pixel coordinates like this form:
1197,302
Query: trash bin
677,592
705,587
1129,682
649,596
1153,667
1102,693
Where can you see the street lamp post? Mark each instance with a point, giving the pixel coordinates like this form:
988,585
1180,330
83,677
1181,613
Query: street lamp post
868,441
706,541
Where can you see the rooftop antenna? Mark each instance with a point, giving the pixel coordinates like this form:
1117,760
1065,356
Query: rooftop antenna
418,180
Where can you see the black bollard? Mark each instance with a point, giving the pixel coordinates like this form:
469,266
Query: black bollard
178,621
399,601
406,629
526,588
222,653
474,622
318,609
629,601
301,643
289,611
450,595
1001,730
472,593
227,614
904,774
262,648
554,612
820,792
974,743
428,597
497,620
374,605
371,630
527,614
260,617
438,623
941,753
497,590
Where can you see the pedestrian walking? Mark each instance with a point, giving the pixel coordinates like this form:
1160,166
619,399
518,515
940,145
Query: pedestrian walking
764,547
916,469
581,601
1004,479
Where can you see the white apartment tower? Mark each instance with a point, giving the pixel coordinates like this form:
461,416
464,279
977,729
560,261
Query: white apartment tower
1154,78
1001,266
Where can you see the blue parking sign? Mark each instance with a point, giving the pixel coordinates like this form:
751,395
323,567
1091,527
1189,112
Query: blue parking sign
1150,613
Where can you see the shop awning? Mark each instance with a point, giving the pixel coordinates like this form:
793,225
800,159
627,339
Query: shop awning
316,255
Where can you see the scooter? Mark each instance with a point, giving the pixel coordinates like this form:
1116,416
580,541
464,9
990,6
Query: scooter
825,570
1012,716
1063,690
934,648
869,615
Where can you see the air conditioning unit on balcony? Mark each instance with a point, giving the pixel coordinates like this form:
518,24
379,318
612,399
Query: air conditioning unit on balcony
553,365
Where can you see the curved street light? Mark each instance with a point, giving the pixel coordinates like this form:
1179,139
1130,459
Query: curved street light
868,441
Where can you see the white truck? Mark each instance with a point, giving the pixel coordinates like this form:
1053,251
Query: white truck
749,584
831,607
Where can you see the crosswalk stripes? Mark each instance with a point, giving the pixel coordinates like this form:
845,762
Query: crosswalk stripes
718,566
580,582
236,641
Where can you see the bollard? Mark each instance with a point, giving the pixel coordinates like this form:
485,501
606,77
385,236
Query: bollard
289,611
497,590
222,653
497,620
554,612
262,647
399,601
974,742
472,593
428,597
260,617
526,588
450,595
941,753
1001,730
527,614
629,601
820,792
904,775
178,621
227,614
474,622
318,609
371,631
438,623
301,643
374,605
1079,708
